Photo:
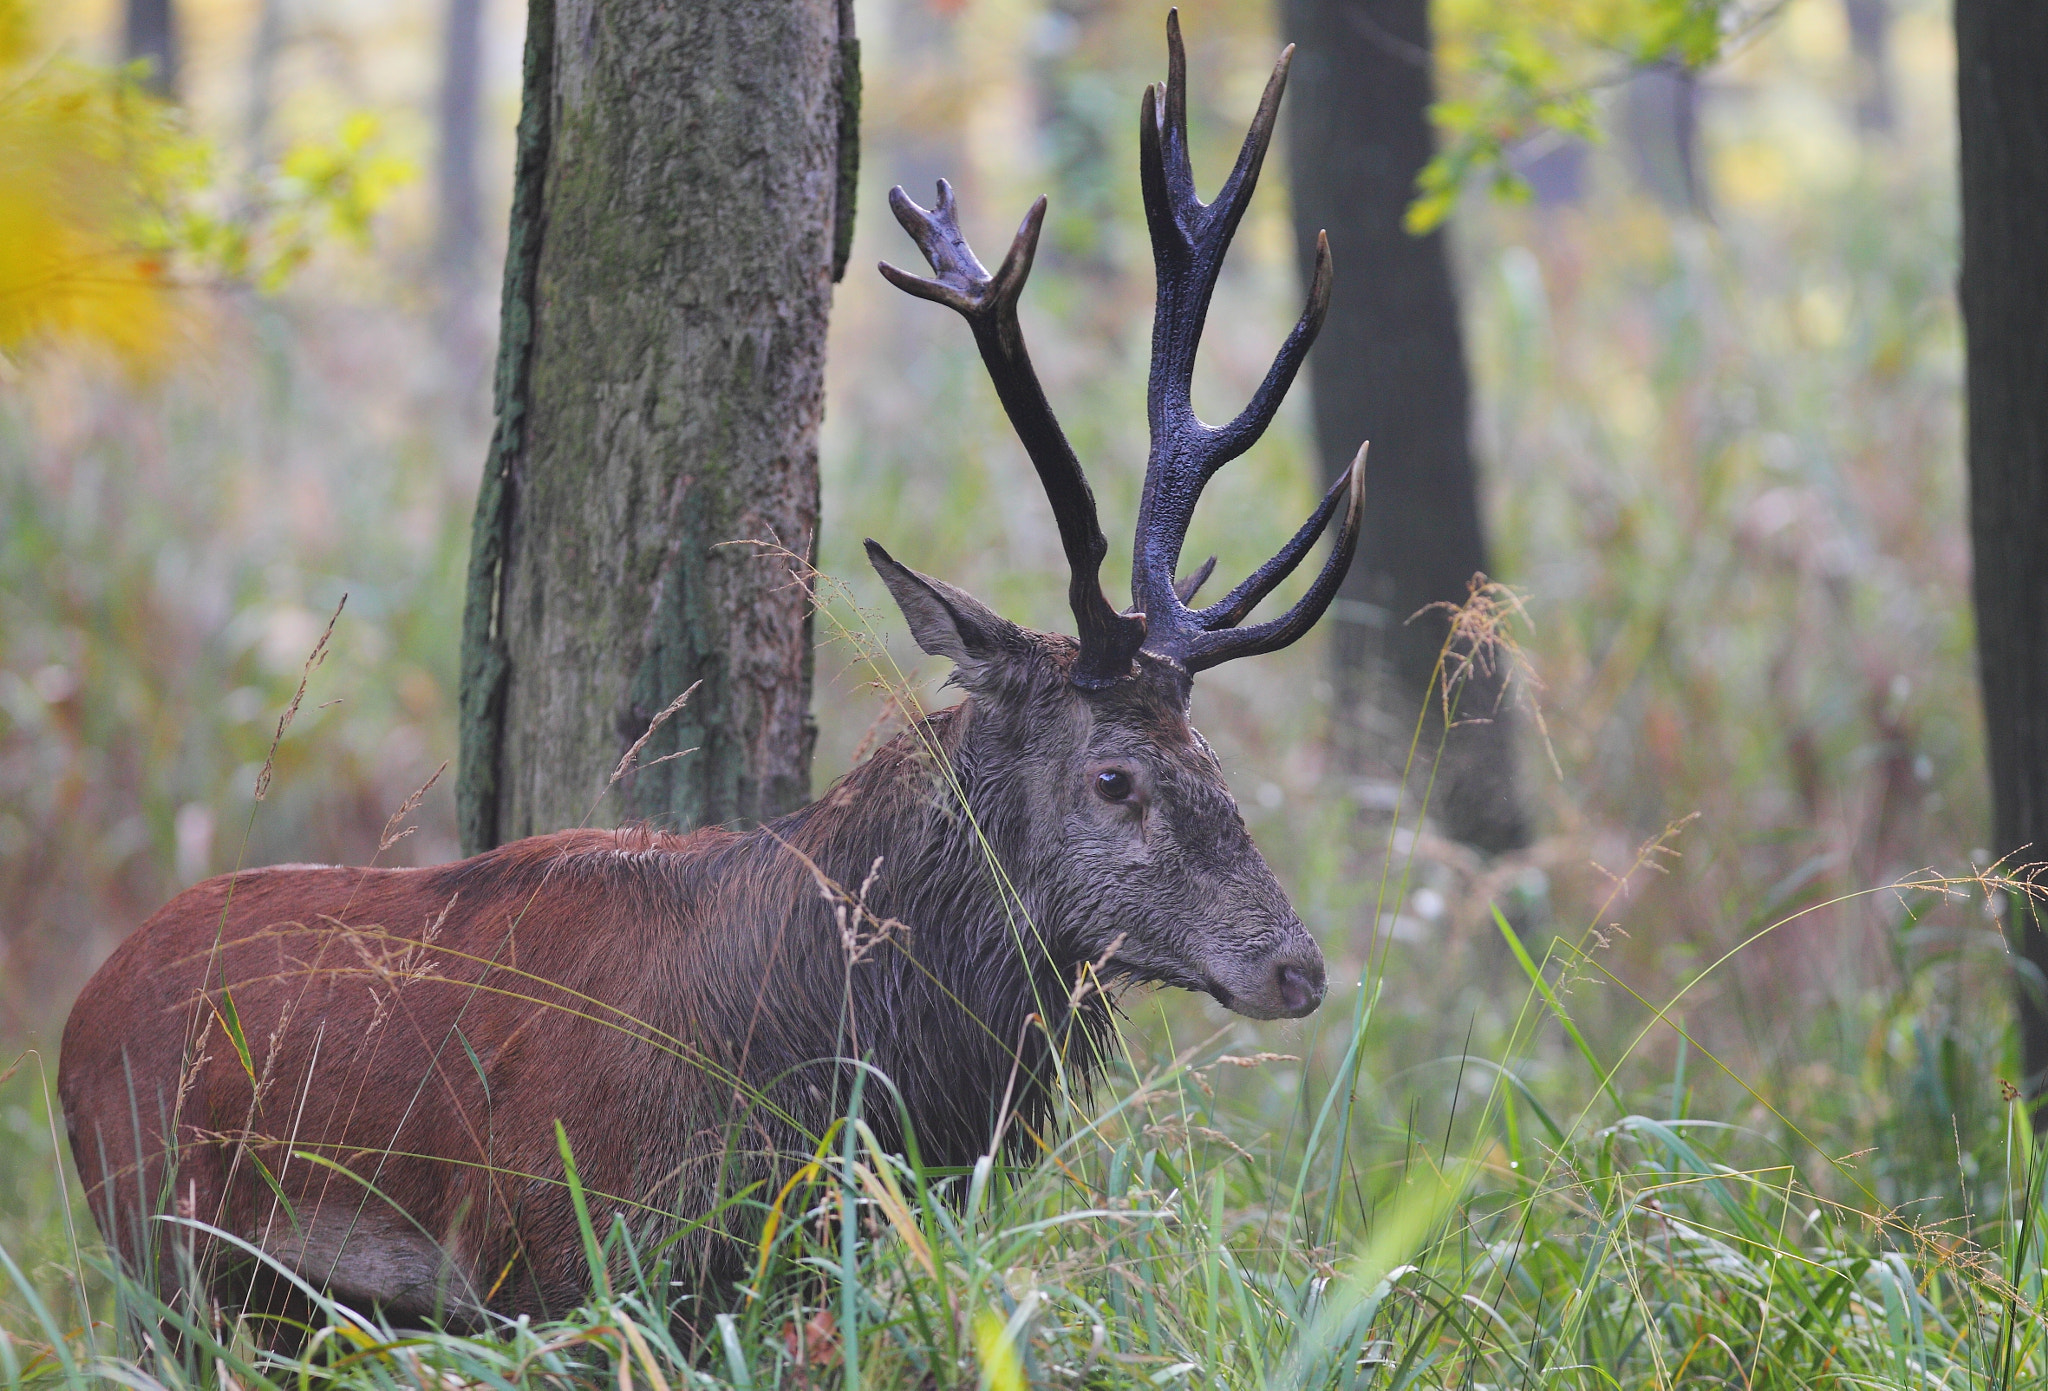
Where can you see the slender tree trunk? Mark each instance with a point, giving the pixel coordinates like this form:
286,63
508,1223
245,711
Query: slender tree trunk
460,311
264,48
1871,44
455,171
1390,367
2002,108
1556,172
660,383
149,30
1660,119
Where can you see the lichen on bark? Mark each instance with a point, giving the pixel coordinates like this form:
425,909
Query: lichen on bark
660,389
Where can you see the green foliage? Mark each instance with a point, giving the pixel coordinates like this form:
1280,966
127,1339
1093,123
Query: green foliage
1200,1229
1721,464
109,207
321,191
1517,70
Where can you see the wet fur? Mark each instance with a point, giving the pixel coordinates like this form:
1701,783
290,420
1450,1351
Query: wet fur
675,1001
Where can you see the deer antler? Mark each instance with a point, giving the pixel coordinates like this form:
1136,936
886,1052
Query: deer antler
1109,640
1189,239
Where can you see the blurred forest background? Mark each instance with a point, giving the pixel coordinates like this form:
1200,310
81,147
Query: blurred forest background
1717,370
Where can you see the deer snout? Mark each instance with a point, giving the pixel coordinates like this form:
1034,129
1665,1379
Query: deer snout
1284,983
1299,985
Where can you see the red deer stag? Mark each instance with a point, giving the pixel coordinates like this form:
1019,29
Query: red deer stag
686,1006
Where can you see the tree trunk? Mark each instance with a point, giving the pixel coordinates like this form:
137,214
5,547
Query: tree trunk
1870,42
455,174
2002,110
149,31
1390,367
263,53
660,383
1660,119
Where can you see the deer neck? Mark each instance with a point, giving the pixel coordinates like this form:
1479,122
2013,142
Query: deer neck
958,985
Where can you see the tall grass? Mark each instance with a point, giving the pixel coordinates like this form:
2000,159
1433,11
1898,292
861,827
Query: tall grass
1531,1210
1202,1226
1722,459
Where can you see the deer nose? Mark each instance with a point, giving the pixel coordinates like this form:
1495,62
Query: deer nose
1299,986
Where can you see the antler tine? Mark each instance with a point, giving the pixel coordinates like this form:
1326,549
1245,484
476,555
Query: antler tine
1174,127
1234,607
962,283
1206,650
1236,194
1243,432
1109,640
1189,241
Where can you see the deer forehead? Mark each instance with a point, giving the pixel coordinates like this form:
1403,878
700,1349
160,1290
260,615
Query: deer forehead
1135,712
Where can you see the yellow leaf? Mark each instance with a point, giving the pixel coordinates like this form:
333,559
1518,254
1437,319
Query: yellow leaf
77,258
1001,1368
17,34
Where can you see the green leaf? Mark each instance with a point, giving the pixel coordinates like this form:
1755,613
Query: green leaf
1556,1006
600,1276
231,1023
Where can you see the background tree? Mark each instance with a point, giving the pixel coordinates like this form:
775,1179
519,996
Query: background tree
1660,121
1870,41
659,391
455,169
266,46
457,186
2002,113
1390,367
149,32
462,310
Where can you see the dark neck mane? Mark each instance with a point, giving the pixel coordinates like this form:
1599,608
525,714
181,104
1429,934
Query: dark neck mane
943,1004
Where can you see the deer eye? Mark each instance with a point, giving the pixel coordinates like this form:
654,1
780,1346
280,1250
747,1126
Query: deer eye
1113,784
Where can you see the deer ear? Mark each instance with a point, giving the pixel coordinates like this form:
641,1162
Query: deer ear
946,622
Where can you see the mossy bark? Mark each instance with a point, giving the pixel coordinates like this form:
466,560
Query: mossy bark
659,390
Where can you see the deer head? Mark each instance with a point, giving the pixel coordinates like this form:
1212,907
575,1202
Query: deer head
1136,842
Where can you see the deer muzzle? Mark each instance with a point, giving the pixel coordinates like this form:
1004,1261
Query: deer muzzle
1284,983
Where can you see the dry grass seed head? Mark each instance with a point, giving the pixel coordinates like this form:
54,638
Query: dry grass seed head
666,713
850,911
1480,643
284,721
392,834
1088,977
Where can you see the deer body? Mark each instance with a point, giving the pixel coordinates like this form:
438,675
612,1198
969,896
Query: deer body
679,1003
361,1072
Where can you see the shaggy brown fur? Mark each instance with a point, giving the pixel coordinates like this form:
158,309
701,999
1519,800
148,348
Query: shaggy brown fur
684,1006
